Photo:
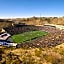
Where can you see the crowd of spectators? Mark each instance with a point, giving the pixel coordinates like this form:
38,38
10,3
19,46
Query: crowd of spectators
20,29
55,37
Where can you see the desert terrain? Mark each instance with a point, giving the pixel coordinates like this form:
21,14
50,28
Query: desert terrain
42,48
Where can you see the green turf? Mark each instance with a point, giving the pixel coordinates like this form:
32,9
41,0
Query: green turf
27,36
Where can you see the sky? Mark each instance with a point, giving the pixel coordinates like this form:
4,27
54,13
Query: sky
29,8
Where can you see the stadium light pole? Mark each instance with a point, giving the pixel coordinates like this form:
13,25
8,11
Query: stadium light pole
40,17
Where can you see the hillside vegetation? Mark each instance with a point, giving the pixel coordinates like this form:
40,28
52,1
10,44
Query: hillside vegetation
54,55
40,20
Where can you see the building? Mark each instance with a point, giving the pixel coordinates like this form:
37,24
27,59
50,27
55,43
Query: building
5,36
57,26
6,40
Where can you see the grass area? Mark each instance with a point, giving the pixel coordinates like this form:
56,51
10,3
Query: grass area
27,36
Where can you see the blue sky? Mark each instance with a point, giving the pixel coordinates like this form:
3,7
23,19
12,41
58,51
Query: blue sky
27,8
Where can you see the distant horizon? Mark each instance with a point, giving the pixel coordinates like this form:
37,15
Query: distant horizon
28,17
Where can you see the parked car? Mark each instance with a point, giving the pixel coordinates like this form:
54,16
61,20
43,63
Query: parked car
7,43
